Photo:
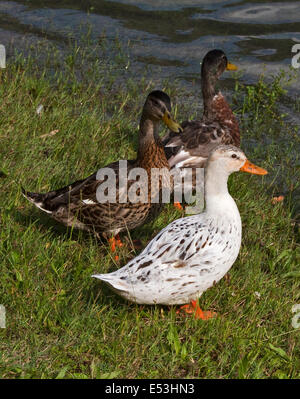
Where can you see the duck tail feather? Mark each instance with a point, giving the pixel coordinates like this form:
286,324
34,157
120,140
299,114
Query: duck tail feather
37,199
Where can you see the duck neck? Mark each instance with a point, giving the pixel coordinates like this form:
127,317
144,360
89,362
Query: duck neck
148,135
217,198
208,83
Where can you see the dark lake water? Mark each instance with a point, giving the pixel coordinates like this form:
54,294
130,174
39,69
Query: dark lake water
172,34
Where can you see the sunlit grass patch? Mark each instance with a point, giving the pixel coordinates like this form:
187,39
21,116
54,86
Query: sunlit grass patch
61,323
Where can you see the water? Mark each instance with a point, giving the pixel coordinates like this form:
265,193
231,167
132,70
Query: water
173,34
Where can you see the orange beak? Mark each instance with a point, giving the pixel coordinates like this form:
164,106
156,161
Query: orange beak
231,67
251,168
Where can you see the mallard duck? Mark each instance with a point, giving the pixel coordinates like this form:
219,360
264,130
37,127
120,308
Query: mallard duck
77,204
192,253
217,126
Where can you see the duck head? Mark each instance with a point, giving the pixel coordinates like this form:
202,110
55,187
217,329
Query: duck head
229,159
214,64
158,108
222,161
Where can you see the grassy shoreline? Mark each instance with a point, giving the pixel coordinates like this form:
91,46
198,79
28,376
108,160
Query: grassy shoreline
63,324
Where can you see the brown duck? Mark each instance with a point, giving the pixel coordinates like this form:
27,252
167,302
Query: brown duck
78,205
217,126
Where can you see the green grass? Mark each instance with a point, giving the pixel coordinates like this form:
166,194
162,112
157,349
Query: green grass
61,323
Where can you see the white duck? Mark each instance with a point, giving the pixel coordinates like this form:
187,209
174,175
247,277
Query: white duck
192,253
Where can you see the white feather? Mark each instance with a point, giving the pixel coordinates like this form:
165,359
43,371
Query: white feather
190,254
89,202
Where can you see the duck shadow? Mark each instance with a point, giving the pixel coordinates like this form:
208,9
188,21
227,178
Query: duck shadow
48,225
56,229
100,294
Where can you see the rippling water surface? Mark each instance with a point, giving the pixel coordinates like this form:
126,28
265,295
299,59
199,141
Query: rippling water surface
172,34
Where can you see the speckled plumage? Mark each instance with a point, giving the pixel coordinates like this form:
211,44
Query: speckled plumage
76,204
192,253
217,126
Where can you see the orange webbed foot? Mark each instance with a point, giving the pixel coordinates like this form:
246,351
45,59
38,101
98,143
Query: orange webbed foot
194,308
112,244
118,241
115,242
178,206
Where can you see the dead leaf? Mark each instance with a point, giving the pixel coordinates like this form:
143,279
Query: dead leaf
52,133
39,109
277,199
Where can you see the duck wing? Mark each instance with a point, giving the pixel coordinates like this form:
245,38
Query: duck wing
76,204
192,147
184,259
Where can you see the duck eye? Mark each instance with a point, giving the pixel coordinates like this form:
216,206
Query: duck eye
233,156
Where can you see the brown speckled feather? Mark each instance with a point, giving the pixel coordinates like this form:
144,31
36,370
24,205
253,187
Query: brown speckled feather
217,126
191,148
77,205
